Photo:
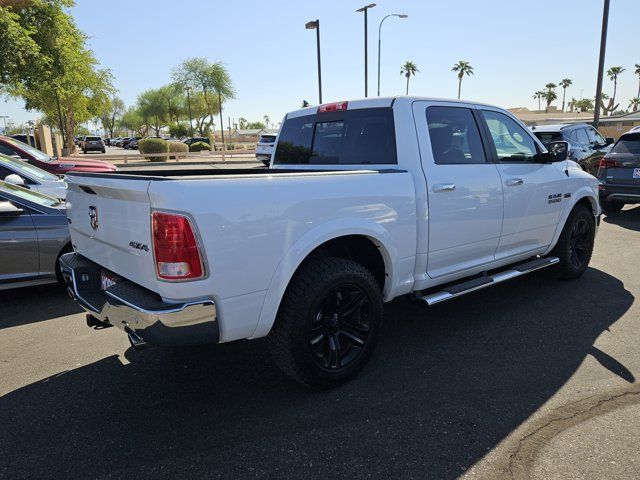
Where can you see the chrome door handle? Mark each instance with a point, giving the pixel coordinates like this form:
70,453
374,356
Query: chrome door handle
443,187
512,182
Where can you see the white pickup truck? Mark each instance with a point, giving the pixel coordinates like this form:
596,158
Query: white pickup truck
368,200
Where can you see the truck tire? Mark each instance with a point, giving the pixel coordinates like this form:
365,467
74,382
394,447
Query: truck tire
328,322
575,244
611,207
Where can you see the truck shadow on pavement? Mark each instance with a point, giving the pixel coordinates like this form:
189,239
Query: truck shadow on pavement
628,218
444,387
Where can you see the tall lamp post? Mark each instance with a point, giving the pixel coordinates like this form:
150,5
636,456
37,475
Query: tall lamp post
399,15
366,63
315,25
603,48
189,104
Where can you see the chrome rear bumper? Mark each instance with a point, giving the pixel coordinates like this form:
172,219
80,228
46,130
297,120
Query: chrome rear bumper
136,310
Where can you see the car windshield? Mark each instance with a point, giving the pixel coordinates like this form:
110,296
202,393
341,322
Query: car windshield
34,152
29,195
628,144
21,167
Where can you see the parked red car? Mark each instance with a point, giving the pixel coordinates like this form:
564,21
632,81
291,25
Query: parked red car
58,166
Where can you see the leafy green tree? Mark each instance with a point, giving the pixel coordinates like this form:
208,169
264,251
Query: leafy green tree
584,104
409,69
209,78
178,130
152,106
133,121
112,115
565,83
462,68
243,123
550,94
53,71
255,125
634,103
267,120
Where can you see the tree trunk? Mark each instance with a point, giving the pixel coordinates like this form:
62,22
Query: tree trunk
615,87
564,91
407,84
459,85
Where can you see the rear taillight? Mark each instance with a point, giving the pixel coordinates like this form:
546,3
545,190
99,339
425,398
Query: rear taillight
175,248
608,163
333,107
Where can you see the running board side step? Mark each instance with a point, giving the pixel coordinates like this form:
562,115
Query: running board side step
469,286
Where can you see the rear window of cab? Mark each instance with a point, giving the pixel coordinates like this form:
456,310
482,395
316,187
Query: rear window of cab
350,137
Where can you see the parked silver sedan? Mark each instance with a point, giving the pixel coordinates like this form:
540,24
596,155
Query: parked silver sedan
33,234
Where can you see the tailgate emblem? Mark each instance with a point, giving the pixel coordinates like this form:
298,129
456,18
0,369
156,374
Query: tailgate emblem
93,217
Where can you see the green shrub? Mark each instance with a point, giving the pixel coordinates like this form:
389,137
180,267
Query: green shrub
231,146
154,145
177,147
199,146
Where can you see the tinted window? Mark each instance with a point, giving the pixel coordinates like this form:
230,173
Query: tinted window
547,137
512,142
18,166
454,134
582,137
5,150
92,139
628,144
34,152
352,137
294,145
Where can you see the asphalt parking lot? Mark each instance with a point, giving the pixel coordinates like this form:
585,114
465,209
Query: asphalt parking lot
536,378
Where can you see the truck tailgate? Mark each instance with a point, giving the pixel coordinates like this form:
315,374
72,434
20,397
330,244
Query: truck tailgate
110,224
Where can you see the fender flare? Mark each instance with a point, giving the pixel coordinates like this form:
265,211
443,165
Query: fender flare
307,243
584,192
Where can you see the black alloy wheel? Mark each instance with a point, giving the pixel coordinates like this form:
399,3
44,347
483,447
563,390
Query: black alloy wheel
340,329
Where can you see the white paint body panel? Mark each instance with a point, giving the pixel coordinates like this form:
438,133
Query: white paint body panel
252,247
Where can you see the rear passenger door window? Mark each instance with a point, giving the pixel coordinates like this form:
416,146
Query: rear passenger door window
512,142
455,137
582,136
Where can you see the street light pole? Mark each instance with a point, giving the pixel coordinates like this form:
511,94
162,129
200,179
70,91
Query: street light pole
366,62
399,15
603,48
315,25
189,103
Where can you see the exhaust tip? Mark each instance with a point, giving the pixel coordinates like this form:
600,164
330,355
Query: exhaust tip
134,339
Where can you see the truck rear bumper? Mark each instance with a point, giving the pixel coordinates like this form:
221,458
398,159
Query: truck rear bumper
136,310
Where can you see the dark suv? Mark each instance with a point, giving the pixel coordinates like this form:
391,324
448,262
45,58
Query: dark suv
92,144
585,144
619,173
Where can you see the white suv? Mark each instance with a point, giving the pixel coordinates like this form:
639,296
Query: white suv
265,147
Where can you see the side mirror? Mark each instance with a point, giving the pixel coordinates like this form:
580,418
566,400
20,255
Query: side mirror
15,179
609,140
8,209
559,151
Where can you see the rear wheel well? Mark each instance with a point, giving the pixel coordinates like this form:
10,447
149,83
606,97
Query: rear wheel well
358,248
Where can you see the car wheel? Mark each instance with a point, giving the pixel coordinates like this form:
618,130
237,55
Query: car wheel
328,322
575,245
104,151
84,151
611,207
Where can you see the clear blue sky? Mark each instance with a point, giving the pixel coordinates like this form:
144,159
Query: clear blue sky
516,47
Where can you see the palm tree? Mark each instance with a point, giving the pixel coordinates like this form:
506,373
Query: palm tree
408,69
572,104
243,123
550,95
613,73
463,68
637,72
267,120
538,95
634,103
565,83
